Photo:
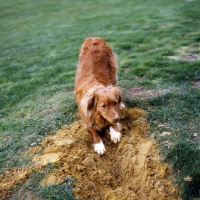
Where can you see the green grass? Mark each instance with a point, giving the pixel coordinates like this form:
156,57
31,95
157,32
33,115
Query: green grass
32,189
52,192
58,192
39,47
178,115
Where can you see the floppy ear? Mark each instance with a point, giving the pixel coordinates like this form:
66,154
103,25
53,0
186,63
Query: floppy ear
88,102
117,93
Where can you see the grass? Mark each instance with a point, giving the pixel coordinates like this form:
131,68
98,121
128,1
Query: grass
52,192
39,47
32,189
181,115
175,125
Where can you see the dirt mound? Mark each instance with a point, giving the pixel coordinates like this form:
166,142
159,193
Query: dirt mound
130,170
10,178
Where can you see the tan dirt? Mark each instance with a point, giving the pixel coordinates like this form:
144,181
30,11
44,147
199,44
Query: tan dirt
130,170
10,178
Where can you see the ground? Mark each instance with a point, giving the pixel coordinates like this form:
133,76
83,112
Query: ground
130,170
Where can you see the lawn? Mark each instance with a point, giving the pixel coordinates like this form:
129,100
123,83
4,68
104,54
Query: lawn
158,49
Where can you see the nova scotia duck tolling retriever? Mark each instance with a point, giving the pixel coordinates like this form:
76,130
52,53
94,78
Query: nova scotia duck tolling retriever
98,98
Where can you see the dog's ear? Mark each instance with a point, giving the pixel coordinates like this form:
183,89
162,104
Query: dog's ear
88,103
117,93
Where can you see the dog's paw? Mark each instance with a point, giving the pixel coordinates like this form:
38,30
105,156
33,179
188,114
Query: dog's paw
122,106
114,135
99,148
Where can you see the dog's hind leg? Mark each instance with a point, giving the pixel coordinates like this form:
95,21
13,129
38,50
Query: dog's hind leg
98,143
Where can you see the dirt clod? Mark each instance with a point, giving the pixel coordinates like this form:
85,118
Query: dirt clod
10,178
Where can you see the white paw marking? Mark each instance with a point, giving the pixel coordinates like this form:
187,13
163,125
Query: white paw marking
99,148
122,106
114,135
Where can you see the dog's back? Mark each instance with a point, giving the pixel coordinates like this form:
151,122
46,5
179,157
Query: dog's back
97,64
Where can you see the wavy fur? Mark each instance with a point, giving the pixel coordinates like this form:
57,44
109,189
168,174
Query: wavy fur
96,94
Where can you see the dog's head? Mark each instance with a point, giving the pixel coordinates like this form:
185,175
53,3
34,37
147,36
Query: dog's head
104,101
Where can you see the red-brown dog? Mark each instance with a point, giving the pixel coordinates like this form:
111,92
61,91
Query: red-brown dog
97,97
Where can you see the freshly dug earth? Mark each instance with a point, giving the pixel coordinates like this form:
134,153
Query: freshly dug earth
10,178
130,170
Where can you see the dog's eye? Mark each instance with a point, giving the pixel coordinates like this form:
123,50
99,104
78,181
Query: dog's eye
115,104
104,106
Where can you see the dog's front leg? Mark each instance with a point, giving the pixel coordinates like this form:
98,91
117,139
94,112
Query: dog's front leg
115,135
98,144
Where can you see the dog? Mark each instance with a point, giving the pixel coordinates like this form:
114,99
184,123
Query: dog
98,98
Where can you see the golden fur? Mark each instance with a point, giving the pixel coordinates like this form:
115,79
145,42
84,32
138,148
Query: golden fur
97,97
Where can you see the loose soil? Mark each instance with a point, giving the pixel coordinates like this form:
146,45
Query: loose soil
10,178
130,170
